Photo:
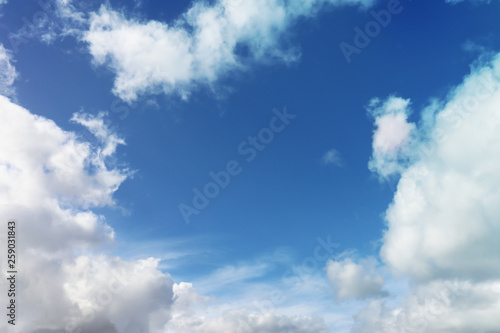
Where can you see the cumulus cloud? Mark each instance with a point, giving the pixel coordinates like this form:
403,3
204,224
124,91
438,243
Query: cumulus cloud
443,218
440,306
442,225
50,180
202,46
355,280
132,296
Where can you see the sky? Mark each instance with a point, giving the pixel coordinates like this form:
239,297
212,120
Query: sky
251,166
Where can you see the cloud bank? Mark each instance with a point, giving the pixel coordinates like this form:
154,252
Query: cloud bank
50,181
442,226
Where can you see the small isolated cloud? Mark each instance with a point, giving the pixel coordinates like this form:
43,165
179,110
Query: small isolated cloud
355,280
8,72
332,157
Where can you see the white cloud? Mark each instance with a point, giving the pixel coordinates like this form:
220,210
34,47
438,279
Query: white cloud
391,136
242,321
99,130
440,306
199,48
191,313
50,180
8,72
443,219
355,280
133,296
332,157
443,226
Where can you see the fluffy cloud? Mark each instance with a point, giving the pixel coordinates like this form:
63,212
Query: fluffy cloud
355,280
50,180
443,220
440,306
132,296
391,136
200,47
443,226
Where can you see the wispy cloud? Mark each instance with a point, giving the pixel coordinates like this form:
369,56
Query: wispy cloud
8,72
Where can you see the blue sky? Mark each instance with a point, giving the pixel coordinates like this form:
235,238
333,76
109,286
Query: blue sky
185,84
